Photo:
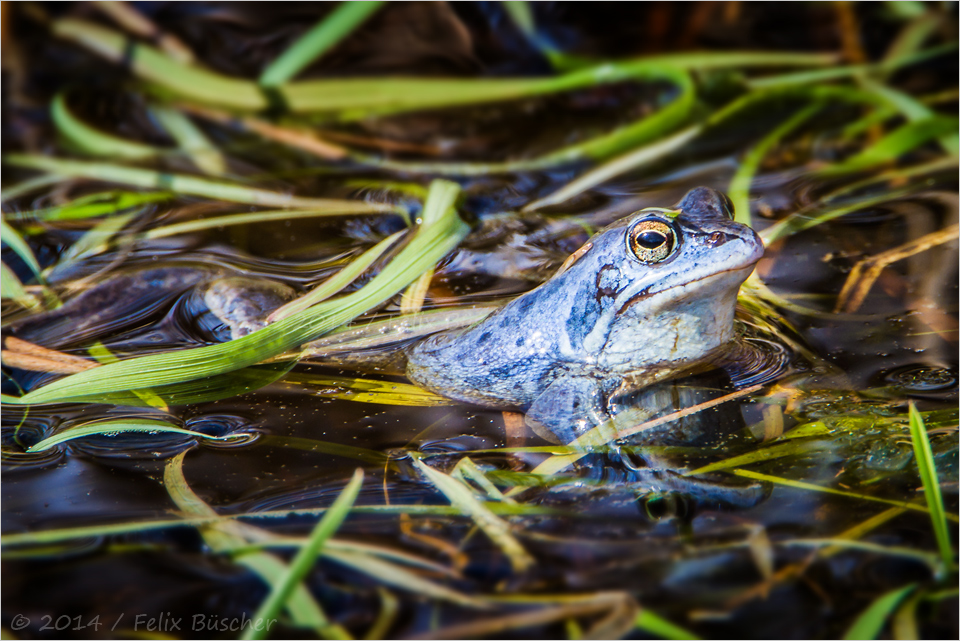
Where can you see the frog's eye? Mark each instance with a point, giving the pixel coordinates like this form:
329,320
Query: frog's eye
651,241
726,205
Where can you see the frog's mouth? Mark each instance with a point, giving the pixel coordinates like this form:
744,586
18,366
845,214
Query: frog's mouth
702,283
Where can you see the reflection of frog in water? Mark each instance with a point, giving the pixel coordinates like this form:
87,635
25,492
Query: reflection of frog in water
648,299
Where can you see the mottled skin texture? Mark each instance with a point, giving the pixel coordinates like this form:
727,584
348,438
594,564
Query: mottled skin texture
607,323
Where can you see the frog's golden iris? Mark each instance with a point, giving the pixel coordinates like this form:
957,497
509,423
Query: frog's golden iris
652,241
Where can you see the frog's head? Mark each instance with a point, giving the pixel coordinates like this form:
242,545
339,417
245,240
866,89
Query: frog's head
667,280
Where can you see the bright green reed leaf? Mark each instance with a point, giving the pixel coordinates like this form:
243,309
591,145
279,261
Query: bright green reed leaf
307,556
902,140
931,485
186,184
337,282
102,203
871,621
121,426
314,43
428,245
93,141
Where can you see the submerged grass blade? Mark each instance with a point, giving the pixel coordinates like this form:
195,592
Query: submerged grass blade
341,22
492,525
429,244
307,556
186,184
871,621
923,454
778,450
363,390
800,485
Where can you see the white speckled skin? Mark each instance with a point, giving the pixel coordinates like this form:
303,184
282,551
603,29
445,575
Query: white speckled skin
560,350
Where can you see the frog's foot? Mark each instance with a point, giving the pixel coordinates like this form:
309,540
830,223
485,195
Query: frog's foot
702,492
239,305
568,408
122,300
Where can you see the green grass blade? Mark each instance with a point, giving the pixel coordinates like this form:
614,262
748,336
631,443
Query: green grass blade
337,282
112,428
308,554
12,288
871,621
94,241
818,76
191,140
186,184
361,390
902,140
29,185
151,65
778,450
931,485
492,525
95,205
303,609
619,165
800,485
223,535
314,43
429,244
13,240
231,220
94,142
371,457
395,329
739,191
913,110
661,628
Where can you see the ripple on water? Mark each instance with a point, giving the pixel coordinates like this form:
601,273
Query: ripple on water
239,428
17,439
918,379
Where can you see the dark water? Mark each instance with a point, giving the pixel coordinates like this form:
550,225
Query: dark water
722,555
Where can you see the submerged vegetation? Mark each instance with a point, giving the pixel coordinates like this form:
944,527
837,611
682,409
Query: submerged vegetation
406,168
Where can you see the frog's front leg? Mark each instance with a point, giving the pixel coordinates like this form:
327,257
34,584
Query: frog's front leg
569,407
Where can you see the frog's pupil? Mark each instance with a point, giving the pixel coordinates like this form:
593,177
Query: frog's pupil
650,239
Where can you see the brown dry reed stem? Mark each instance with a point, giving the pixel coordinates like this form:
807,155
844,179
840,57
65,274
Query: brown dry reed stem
865,272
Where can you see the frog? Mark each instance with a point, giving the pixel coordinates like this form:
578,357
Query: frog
649,298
